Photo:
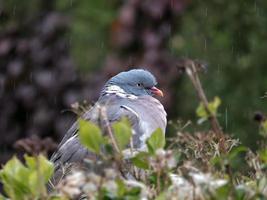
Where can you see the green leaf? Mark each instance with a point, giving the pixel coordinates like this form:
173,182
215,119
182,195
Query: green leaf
201,112
212,106
235,152
263,128
125,192
264,125
133,193
40,163
121,188
263,155
240,193
222,192
14,177
156,141
141,160
122,133
41,170
24,182
161,196
90,136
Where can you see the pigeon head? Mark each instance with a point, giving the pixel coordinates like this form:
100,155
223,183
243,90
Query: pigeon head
136,82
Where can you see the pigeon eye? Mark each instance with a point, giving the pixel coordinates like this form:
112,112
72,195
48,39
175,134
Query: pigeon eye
139,84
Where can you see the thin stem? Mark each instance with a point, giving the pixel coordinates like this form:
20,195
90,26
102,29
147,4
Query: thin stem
192,72
108,128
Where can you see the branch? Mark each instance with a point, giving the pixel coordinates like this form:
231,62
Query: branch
192,68
103,116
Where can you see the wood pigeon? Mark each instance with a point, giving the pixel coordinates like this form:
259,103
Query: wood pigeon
128,94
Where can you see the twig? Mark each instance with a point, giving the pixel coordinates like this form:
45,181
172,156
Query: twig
191,68
103,116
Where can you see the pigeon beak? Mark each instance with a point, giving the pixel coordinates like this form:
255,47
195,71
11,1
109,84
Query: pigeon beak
156,91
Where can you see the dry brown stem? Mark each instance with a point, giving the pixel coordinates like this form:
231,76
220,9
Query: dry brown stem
192,68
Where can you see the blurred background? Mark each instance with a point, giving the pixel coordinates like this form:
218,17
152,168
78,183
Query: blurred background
56,53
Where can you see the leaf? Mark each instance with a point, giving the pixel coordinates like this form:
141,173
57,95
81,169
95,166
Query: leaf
235,152
156,141
121,188
161,196
14,177
222,192
26,181
90,136
122,133
240,193
41,170
40,163
201,112
264,125
133,193
263,155
125,192
141,160
212,106
263,128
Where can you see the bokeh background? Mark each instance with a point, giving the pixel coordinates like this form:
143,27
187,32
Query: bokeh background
56,53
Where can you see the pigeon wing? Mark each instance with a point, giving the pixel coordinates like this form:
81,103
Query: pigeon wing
146,114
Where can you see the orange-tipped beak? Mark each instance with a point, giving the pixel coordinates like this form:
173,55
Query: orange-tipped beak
156,91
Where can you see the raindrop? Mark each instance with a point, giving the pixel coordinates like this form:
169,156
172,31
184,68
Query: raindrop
255,6
226,118
232,49
14,85
14,10
218,68
70,41
31,77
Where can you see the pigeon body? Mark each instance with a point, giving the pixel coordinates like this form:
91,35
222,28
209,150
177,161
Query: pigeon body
128,94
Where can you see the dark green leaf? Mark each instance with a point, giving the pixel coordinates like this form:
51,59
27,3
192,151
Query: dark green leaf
237,151
141,160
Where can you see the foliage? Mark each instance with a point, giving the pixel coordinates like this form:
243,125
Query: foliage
26,181
193,166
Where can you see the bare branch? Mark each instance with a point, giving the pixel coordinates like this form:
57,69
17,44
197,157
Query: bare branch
192,68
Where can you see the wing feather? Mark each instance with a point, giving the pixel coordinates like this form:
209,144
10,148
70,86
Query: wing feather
146,114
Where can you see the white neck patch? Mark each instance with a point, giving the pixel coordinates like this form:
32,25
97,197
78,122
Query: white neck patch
114,89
